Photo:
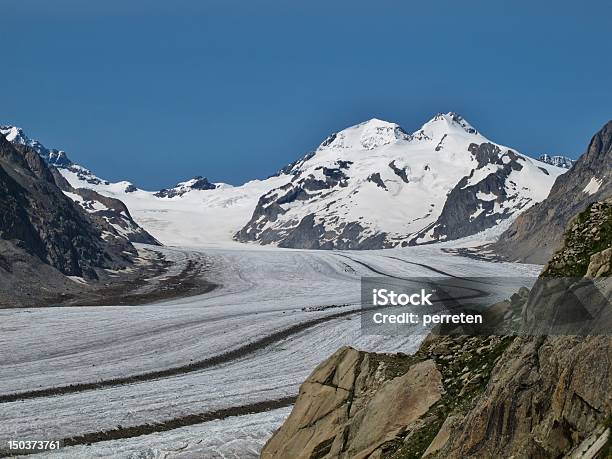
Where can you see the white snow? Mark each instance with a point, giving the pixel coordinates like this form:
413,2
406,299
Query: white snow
195,218
240,437
87,205
593,186
11,132
486,196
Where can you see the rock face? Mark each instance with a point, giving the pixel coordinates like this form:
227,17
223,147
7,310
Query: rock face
484,198
374,186
480,397
545,397
111,215
36,217
368,405
351,406
559,161
587,244
536,233
549,396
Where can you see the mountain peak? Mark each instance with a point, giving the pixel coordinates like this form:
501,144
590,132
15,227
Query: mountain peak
367,135
196,183
375,123
443,124
17,136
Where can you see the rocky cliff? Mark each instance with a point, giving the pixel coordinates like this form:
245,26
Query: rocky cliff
367,405
483,199
110,214
468,397
51,248
538,232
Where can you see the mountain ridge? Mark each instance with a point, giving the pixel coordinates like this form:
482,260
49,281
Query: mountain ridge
38,218
557,160
105,210
362,184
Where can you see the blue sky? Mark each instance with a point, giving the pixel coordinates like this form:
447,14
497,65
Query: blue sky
158,91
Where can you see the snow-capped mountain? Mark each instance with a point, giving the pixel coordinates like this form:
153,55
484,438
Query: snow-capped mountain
373,185
559,161
53,157
190,218
191,213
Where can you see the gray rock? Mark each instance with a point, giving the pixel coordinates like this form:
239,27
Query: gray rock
401,173
36,216
464,213
538,231
559,161
196,183
375,178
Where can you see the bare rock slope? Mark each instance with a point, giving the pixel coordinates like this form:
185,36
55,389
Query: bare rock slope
50,246
109,213
36,216
538,232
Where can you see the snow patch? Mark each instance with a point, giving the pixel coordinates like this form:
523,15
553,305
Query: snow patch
593,186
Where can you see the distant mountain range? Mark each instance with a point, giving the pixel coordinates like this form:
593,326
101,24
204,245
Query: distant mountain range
372,185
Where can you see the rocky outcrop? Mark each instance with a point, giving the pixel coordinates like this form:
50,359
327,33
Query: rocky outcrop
196,183
586,247
556,160
538,232
111,214
600,264
544,398
350,406
368,405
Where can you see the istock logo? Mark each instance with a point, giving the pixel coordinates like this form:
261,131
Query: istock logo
384,297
